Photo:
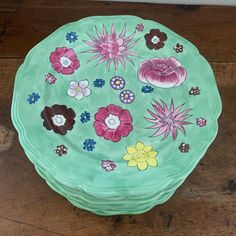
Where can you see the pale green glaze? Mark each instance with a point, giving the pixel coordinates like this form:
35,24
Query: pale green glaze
79,172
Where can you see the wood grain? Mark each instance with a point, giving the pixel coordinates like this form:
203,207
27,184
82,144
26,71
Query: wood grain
204,205
212,29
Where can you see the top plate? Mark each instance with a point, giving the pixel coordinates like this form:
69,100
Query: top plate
115,105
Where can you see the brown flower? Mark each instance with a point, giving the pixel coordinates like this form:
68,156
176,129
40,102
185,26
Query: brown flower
184,147
155,39
58,118
61,150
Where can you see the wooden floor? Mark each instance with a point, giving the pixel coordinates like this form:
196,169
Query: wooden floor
204,205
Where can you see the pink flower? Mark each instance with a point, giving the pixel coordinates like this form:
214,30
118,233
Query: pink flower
139,27
108,165
64,60
111,47
113,122
162,72
78,90
51,79
201,122
168,120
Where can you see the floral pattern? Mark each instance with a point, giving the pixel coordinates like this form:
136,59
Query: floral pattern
162,72
127,96
58,118
61,150
113,123
79,90
139,27
183,147
108,165
155,39
99,83
117,82
141,156
64,60
71,37
201,122
85,117
194,91
49,78
168,120
111,47
33,98
179,48
147,89
89,144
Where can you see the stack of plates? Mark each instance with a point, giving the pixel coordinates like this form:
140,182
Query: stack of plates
115,112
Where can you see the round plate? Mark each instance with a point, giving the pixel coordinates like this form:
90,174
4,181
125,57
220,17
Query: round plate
115,106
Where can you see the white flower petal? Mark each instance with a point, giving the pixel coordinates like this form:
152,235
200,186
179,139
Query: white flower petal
79,95
83,83
71,92
73,84
86,92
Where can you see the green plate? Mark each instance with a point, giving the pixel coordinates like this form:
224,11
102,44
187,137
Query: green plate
115,106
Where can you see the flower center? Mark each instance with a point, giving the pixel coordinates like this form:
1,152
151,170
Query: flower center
65,61
58,120
126,96
115,48
140,155
155,40
78,89
117,82
112,121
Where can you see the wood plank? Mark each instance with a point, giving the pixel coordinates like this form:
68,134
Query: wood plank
204,204
211,29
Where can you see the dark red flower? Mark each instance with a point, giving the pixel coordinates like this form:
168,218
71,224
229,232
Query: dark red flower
184,147
61,150
155,39
58,118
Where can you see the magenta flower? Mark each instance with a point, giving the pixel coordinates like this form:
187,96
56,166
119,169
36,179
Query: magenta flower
111,48
64,60
162,72
139,27
201,122
108,165
51,79
168,120
113,122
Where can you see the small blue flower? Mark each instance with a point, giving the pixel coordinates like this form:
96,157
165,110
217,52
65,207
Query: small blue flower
33,98
71,37
99,83
89,144
85,117
147,89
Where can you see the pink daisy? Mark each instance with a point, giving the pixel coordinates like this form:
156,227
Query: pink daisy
64,60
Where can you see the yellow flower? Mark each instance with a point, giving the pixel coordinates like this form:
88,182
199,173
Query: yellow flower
141,156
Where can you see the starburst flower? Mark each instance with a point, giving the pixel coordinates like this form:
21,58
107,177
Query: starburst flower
168,120
111,48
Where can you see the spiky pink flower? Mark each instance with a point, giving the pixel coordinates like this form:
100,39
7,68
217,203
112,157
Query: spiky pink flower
111,48
168,120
